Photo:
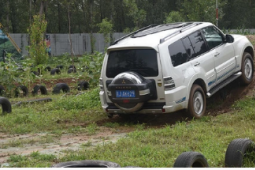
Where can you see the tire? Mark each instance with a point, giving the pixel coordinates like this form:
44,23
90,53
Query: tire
83,85
35,73
141,91
191,159
60,66
42,89
54,71
72,66
197,102
2,90
71,70
61,87
87,163
48,68
236,151
247,69
23,89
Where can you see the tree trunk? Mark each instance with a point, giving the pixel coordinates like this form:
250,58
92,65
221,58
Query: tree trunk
41,8
70,39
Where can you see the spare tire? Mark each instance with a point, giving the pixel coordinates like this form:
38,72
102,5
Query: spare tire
129,91
83,85
191,159
237,150
55,70
23,89
87,163
41,88
61,87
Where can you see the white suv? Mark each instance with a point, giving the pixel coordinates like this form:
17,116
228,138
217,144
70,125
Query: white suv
165,68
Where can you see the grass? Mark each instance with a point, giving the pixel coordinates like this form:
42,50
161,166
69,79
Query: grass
160,147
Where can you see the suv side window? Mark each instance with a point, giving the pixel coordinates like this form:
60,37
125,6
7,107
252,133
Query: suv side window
198,44
213,37
178,53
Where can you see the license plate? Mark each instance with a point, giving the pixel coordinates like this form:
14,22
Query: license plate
125,93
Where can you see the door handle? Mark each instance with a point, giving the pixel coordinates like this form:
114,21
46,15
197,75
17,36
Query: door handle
216,54
196,64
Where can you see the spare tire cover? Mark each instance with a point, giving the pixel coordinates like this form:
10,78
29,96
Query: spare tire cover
129,90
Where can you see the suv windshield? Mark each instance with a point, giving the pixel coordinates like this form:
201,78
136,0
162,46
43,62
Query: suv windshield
141,61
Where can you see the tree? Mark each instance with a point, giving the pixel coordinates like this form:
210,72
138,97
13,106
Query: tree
37,47
105,28
174,16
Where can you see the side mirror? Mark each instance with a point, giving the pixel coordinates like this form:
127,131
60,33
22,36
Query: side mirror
229,38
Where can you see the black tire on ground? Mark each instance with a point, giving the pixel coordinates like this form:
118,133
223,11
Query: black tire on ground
55,70
60,87
72,66
83,85
23,89
6,105
48,68
236,151
2,90
87,163
71,70
197,102
35,73
60,66
191,159
42,89
247,69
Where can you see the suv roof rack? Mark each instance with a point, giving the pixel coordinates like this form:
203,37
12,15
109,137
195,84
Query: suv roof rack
132,33
184,28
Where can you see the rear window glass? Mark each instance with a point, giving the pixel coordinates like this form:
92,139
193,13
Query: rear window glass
141,61
178,53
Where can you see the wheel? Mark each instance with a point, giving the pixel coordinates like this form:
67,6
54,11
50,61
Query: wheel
197,102
23,89
191,159
236,151
42,89
55,70
87,163
83,85
61,87
247,69
6,105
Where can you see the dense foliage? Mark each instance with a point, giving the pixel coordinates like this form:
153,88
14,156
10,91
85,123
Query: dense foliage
85,15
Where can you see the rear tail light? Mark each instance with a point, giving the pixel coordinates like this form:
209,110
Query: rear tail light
169,83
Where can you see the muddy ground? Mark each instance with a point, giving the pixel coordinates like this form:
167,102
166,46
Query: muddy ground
220,103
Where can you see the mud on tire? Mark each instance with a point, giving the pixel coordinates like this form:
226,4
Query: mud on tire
197,102
247,69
